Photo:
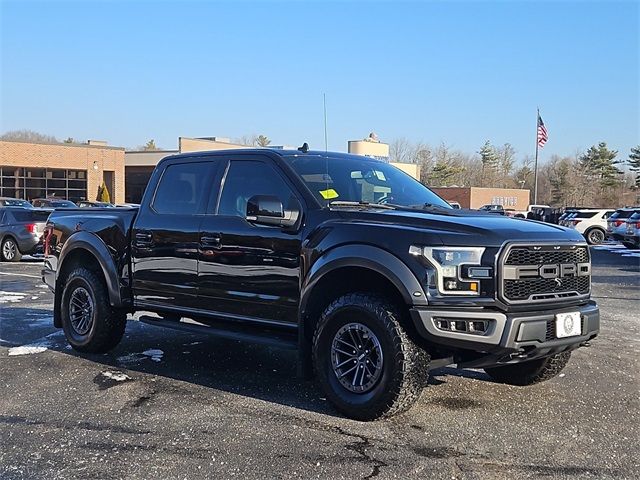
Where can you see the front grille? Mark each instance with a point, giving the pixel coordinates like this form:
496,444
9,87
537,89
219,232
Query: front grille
528,256
523,289
567,267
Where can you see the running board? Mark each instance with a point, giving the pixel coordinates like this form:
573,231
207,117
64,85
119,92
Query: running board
250,334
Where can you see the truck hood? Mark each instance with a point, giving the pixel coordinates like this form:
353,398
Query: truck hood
467,228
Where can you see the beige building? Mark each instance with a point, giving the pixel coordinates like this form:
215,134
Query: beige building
70,171
372,147
475,197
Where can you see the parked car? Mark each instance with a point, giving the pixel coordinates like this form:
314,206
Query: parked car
21,232
455,205
498,209
367,273
592,223
562,217
617,223
14,202
52,203
89,204
632,234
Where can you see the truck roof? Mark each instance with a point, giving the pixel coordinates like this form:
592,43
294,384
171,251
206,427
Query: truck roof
276,151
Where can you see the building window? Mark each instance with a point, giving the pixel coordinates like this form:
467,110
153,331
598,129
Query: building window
30,183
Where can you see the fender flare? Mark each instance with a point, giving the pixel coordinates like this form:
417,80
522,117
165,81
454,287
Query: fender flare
365,256
94,245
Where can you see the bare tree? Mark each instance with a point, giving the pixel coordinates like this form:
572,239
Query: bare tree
28,136
400,151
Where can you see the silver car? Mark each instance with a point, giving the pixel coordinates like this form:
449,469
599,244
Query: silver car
21,232
617,223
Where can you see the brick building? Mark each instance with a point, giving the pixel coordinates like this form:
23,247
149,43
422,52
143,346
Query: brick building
475,197
71,171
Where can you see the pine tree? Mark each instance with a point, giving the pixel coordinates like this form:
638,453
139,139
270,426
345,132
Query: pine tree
598,163
262,141
490,161
634,163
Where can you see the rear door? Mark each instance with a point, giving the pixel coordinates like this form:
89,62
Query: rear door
165,235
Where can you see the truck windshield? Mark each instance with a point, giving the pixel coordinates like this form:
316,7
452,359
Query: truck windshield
362,180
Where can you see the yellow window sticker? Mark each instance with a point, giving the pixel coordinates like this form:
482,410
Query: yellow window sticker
329,194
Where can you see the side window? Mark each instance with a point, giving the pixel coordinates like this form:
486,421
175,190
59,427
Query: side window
182,189
245,179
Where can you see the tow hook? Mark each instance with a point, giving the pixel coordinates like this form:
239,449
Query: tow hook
519,354
585,344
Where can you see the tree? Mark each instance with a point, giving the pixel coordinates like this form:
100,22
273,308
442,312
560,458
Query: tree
262,141
400,151
599,168
523,176
506,159
634,164
150,145
28,136
490,162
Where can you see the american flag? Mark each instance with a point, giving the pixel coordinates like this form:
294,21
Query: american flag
542,132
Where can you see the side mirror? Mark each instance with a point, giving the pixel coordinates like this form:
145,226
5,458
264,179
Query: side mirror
268,210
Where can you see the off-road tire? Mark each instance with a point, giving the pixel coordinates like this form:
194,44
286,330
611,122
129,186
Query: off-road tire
533,371
595,236
108,324
16,251
404,368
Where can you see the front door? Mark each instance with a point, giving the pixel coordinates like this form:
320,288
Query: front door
166,235
248,271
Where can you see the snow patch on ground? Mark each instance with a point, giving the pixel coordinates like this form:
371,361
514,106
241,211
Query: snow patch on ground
27,350
154,354
11,297
117,376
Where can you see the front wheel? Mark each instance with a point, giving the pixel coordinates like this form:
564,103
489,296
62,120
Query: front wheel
366,364
630,245
595,236
533,371
89,322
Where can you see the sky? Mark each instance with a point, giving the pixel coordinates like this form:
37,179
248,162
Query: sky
454,72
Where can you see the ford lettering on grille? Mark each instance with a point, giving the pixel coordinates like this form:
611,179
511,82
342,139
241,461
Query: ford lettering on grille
544,273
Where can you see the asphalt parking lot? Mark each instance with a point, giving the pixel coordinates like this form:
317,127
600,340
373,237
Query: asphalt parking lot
166,404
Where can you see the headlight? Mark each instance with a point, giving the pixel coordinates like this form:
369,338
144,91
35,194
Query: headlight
451,263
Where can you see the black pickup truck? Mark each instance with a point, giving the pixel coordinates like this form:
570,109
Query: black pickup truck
372,277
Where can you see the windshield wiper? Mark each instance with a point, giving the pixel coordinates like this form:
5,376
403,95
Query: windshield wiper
345,203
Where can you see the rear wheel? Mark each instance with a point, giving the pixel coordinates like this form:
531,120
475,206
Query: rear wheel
595,236
9,251
366,364
533,371
89,322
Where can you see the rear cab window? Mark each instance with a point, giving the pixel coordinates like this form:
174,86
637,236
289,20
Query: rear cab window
183,189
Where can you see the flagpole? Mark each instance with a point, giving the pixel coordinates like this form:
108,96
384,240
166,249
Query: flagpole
535,168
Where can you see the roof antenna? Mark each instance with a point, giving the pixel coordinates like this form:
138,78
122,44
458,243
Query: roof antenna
304,148
324,105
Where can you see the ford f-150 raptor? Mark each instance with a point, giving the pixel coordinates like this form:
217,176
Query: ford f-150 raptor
372,277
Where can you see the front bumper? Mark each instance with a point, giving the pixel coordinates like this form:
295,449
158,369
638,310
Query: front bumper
508,338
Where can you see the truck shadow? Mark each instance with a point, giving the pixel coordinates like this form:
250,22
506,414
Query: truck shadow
248,370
